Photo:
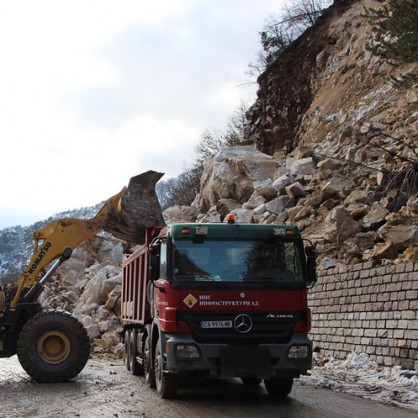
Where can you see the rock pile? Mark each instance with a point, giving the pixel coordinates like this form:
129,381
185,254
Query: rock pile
89,286
343,208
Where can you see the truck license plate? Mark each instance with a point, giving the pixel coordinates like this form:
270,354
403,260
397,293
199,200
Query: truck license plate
215,324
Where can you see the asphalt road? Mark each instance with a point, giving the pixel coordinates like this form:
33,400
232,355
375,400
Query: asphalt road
106,389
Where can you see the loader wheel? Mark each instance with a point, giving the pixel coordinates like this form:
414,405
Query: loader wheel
53,347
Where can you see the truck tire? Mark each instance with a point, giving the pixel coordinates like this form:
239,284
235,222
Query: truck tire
166,383
137,368
279,387
127,347
148,367
53,347
250,381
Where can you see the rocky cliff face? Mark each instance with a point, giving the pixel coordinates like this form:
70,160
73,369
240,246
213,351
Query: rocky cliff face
336,147
327,86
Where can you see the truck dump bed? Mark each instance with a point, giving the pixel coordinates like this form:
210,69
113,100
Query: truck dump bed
134,308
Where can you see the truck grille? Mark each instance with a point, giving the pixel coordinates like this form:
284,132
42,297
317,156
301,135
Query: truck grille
264,327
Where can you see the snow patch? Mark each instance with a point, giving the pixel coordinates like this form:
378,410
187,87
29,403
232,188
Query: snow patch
359,375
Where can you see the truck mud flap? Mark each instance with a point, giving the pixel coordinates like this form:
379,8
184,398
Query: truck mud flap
244,361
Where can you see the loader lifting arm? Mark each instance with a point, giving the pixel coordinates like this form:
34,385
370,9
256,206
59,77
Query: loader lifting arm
57,240
125,215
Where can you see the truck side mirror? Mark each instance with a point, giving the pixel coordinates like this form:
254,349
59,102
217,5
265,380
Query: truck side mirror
310,252
154,263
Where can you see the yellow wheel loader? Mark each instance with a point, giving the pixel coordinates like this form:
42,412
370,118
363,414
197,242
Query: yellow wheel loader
53,346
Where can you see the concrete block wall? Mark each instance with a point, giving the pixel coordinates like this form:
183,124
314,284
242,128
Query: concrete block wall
367,309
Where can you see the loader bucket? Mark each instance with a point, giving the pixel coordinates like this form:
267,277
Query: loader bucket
138,209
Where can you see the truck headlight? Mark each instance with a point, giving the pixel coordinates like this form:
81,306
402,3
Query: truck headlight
186,351
298,352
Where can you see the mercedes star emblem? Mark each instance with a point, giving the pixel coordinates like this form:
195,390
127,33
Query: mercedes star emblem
243,323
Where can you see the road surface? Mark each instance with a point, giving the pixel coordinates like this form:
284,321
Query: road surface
106,389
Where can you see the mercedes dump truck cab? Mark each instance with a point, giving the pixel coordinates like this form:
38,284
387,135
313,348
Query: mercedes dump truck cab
221,299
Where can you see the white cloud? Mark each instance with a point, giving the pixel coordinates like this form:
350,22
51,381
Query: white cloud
94,92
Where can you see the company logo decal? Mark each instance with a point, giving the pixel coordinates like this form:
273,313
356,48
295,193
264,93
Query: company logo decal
41,255
280,316
243,323
190,300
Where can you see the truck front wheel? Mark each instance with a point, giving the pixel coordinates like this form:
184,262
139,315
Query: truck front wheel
148,369
250,381
53,347
166,383
279,387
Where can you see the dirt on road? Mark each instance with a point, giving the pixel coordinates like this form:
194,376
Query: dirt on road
106,389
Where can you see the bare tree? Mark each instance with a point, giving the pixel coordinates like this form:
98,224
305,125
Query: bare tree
304,13
213,140
279,33
183,189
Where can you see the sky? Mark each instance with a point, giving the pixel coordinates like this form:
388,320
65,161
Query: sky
93,92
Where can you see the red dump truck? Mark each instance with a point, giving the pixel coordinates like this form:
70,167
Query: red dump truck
221,299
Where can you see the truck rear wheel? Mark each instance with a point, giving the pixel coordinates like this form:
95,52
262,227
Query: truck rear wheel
166,383
127,347
148,367
53,347
137,368
279,387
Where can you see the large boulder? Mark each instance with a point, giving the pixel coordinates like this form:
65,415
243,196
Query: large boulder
401,230
336,187
340,226
278,205
284,180
107,286
232,174
265,188
71,270
376,217
304,166
180,214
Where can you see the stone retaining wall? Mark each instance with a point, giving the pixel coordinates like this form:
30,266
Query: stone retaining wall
367,309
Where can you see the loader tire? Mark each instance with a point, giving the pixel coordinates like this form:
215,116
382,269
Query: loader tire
53,347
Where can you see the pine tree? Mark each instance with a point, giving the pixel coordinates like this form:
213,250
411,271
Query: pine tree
395,28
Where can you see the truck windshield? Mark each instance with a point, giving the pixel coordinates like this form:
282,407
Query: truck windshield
237,260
